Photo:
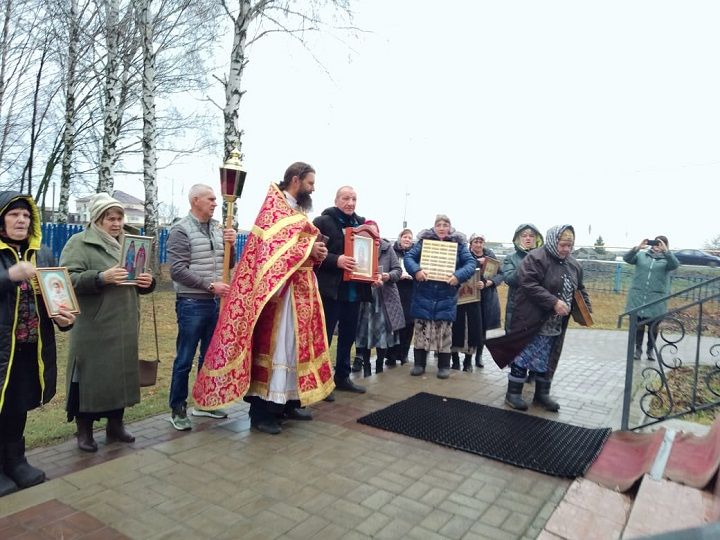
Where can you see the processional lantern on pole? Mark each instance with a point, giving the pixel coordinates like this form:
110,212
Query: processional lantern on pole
232,181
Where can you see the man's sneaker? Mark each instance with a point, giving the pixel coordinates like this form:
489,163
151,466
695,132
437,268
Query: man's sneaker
217,413
179,419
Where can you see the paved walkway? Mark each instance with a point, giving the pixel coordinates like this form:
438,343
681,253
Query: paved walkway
329,478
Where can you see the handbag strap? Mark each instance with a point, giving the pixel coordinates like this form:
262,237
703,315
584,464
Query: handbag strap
157,346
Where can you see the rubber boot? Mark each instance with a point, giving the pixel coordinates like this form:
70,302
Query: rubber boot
393,355
513,397
379,360
85,440
18,469
365,360
455,361
444,365
116,432
357,364
420,356
7,486
467,363
542,394
478,357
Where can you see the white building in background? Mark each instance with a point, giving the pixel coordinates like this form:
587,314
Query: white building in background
134,208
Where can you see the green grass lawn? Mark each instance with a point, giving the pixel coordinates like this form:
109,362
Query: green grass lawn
49,424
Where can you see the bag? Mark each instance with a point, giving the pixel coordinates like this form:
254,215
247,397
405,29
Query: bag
148,368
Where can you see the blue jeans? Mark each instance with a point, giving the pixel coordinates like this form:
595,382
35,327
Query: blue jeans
196,319
344,314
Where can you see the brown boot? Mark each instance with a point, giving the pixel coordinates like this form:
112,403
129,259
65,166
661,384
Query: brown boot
116,432
85,439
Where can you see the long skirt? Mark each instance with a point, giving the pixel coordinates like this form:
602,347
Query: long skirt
433,335
373,329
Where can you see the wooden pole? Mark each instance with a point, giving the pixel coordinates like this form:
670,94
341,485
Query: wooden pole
228,245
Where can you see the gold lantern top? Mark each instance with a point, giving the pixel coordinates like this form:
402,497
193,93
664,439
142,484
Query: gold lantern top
232,176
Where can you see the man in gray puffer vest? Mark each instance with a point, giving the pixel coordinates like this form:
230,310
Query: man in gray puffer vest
195,249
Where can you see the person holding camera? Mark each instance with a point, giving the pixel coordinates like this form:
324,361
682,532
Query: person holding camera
653,263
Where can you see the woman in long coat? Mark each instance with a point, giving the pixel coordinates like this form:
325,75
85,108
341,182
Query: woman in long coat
399,353
102,368
28,365
547,280
489,300
380,319
651,282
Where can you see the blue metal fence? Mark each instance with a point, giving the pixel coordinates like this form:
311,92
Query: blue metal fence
55,235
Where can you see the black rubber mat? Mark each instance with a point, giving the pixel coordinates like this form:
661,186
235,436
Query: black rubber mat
512,437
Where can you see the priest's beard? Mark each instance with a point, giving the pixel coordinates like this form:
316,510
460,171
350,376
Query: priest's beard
304,201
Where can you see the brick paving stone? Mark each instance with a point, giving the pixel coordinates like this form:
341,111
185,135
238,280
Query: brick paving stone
436,520
372,524
418,533
435,496
308,528
333,531
395,528
378,498
495,516
456,527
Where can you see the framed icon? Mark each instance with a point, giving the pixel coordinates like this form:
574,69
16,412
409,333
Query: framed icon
490,268
135,256
362,244
470,291
57,290
438,259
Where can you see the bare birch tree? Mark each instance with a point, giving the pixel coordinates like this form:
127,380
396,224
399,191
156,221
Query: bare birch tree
292,17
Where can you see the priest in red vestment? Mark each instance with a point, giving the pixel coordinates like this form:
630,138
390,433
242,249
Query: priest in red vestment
270,345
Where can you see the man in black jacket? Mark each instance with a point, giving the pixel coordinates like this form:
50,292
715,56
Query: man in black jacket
341,299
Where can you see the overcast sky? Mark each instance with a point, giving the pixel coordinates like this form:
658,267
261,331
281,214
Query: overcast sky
604,115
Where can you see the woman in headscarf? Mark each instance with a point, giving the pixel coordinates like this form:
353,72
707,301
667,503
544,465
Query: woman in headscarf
489,300
28,366
102,368
434,302
547,280
382,317
651,282
399,353
527,237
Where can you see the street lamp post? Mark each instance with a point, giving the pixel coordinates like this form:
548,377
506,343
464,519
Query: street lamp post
407,194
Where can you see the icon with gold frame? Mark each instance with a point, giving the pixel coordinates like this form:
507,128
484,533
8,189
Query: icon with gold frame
470,290
57,290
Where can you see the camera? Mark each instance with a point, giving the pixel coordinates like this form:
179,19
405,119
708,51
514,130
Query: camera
651,242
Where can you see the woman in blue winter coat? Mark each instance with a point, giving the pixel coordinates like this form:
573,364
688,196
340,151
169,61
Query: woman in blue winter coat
651,281
434,302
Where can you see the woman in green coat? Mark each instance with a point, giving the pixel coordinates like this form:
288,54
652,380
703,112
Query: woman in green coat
102,368
653,263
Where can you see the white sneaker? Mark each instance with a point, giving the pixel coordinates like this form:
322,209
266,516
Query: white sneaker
217,413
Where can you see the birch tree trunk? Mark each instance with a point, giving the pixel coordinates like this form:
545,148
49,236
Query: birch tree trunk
69,129
108,155
233,91
146,30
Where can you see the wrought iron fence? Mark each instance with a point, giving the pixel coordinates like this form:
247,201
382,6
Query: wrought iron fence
684,378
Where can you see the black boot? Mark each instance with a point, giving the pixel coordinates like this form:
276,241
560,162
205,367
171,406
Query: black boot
379,360
365,362
18,469
444,365
85,440
420,356
393,355
513,397
7,486
467,363
478,357
357,364
115,432
542,394
455,360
